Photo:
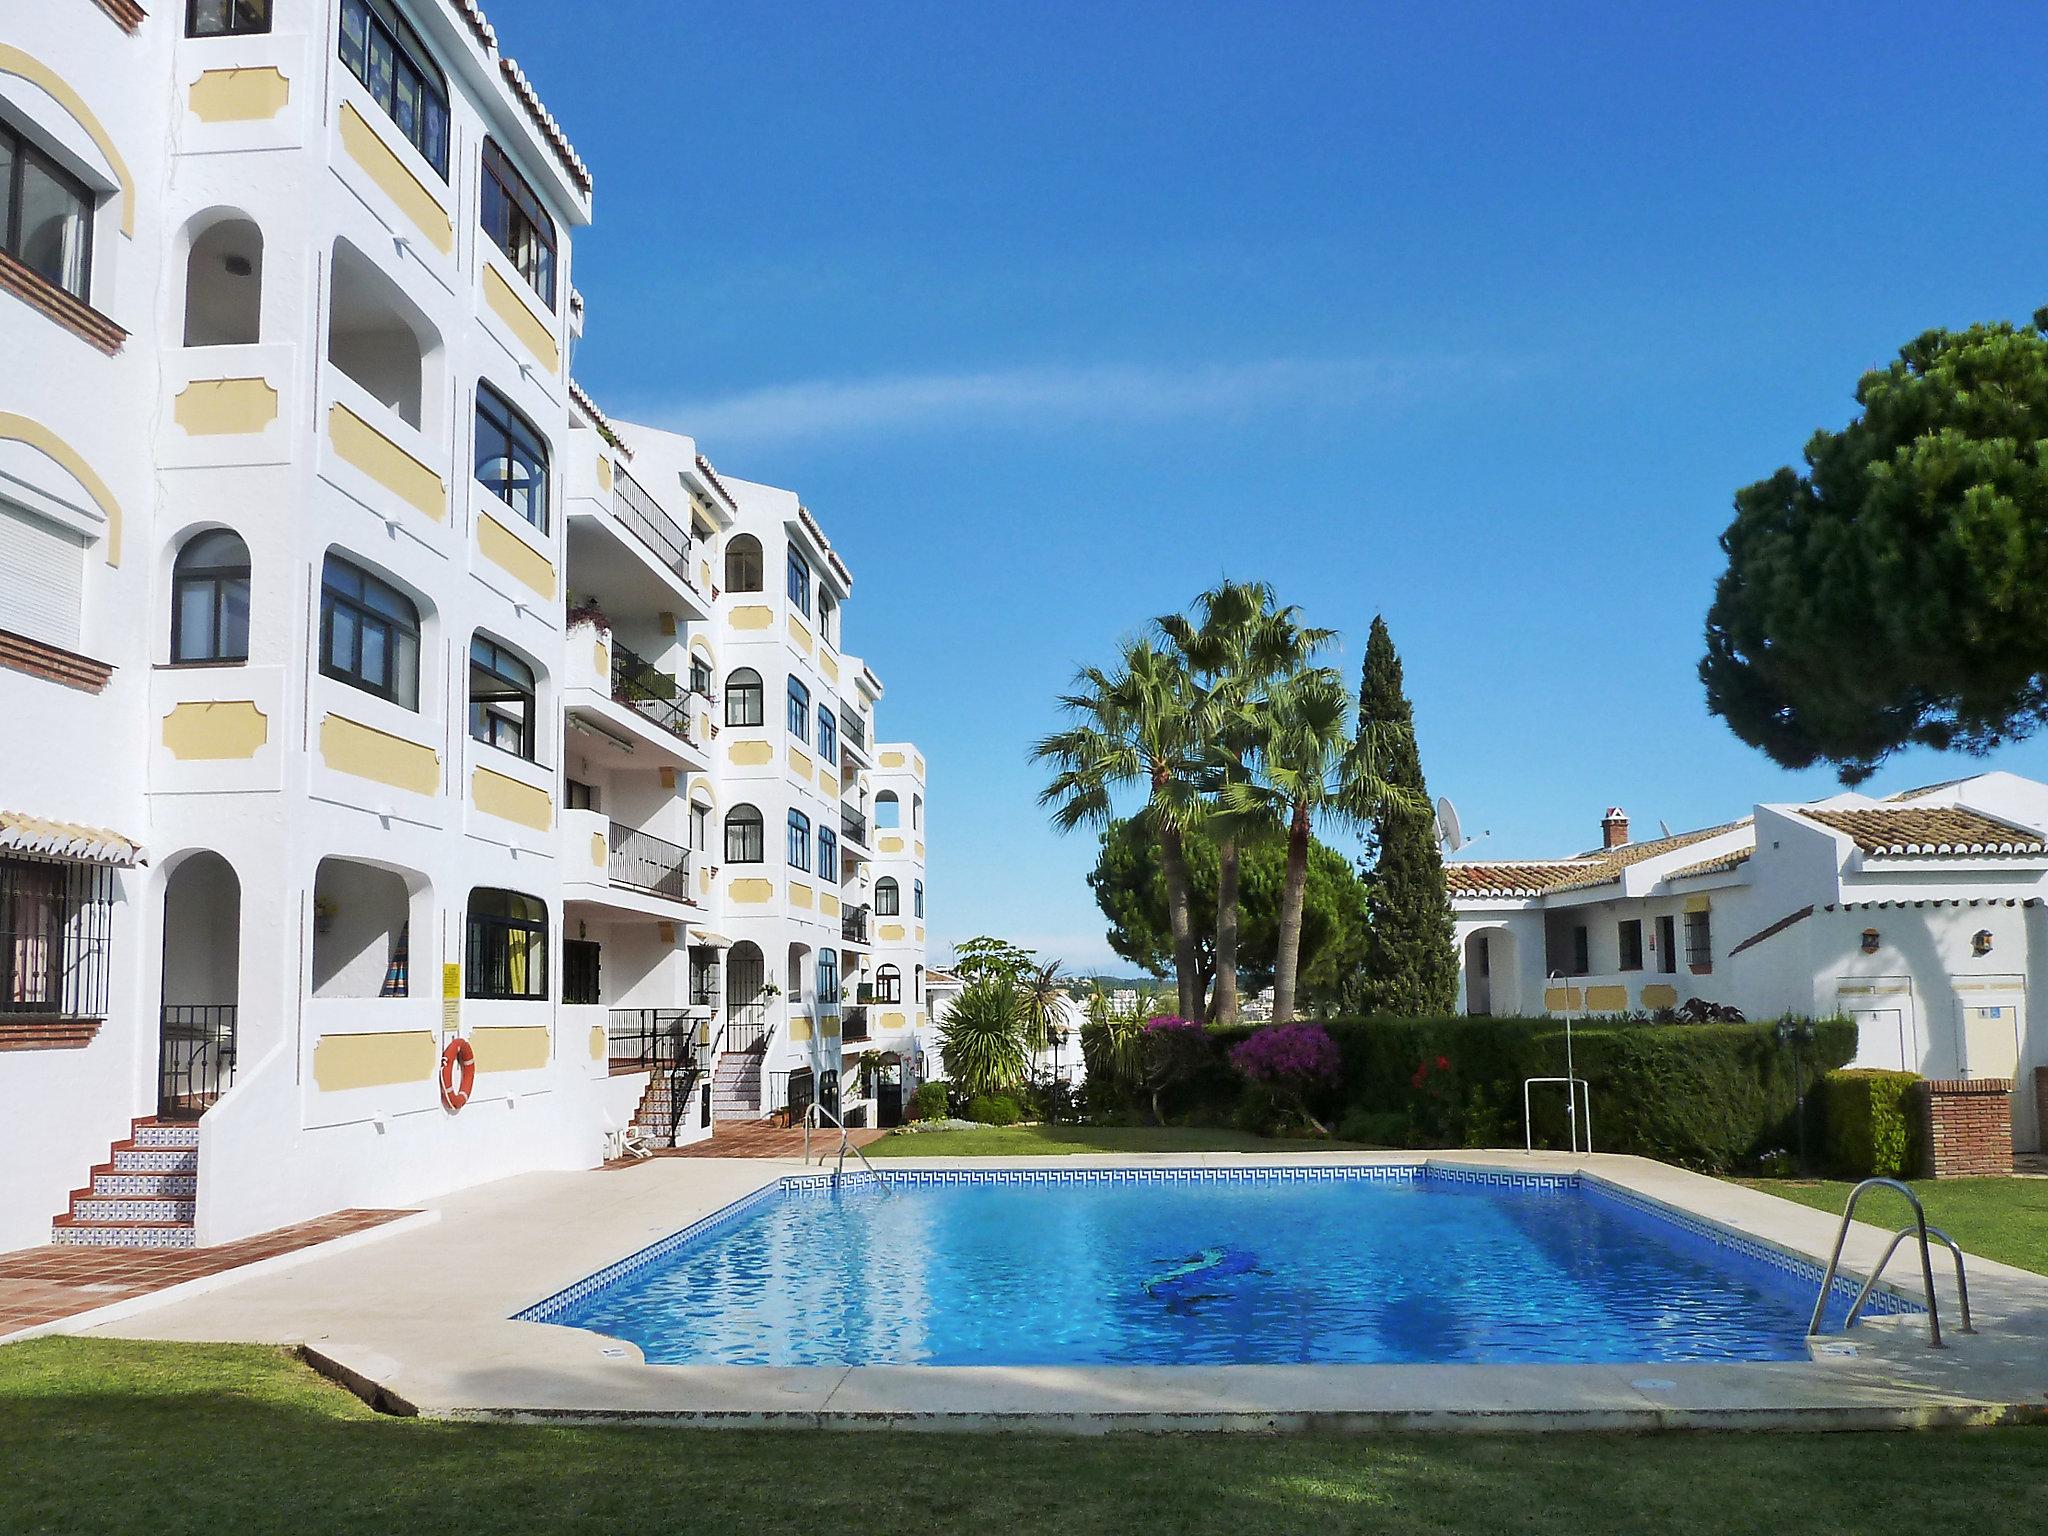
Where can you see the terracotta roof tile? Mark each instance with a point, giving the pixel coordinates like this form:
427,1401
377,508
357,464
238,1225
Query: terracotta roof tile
1928,831
1720,864
1598,866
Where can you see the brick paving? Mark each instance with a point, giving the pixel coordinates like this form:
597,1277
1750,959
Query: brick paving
760,1138
40,1285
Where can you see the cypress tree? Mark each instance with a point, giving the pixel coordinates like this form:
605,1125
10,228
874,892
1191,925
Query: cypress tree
1411,964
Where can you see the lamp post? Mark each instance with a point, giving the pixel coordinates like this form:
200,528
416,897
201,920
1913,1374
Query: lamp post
1795,1033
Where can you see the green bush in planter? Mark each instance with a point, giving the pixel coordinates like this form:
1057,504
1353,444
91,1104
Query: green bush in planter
931,1100
1873,1124
994,1109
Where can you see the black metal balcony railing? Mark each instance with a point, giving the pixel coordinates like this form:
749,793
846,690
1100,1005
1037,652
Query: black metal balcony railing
196,1057
853,731
853,926
853,1024
704,991
853,825
663,535
650,692
648,1039
650,863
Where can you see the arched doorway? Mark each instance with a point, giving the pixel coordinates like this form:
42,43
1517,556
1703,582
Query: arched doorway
1489,963
196,1038
746,1002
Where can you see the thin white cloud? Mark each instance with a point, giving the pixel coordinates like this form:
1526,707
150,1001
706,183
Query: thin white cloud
1108,393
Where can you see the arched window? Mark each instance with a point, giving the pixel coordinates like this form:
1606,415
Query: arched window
508,945
799,840
511,457
744,703
828,853
224,286
888,897
917,813
828,975
799,711
917,898
743,563
828,735
369,633
917,986
888,985
210,599
888,810
800,583
744,839
828,616
501,698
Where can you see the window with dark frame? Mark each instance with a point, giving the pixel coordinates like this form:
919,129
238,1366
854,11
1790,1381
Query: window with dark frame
800,583
507,952
210,599
1582,950
700,827
888,985
828,975
799,711
502,707
888,897
382,50
56,924
1631,936
582,972
828,735
828,853
745,699
917,898
511,457
799,841
578,796
45,216
369,634
1699,942
828,614
517,223
745,836
700,675
743,563
227,18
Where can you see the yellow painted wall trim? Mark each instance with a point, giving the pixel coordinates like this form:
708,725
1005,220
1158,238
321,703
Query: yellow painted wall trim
917,767
1698,904
505,549
380,162
604,473
799,634
14,62
920,933
534,333
1607,999
750,893
597,1042
599,855
828,904
374,1060
920,848
892,759
890,844
20,429
215,730
498,794
1559,999
892,1021
510,1047
829,665
752,616
799,895
828,785
828,1027
360,444
223,407
253,95
369,753
750,754
889,932
1658,995
800,1028
799,763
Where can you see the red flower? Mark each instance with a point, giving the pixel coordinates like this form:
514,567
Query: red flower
1443,1063
1416,1080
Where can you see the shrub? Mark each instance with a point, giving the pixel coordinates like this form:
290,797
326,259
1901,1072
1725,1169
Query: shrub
1375,1127
994,1109
1175,1049
1873,1125
1289,1061
981,1040
931,1101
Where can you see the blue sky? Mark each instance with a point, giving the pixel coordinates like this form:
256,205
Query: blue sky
1474,316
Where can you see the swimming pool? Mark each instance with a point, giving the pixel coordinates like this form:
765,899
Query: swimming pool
1289,1265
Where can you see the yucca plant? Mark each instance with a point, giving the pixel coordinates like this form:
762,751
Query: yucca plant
981,1041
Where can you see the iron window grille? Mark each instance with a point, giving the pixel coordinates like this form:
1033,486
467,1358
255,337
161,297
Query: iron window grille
799,841
508,946
56,927
582,971
369,633
511,457
517,223
745,699
227,18
45,216
745,836
381,50
502,706
799,711
800,583
1699,941
210,599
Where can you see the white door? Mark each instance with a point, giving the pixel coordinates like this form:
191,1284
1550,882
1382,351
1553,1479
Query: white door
1990,1036
1881,1040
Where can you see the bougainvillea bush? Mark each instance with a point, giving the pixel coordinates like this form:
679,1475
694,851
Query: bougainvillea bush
1289,1061
1175,1050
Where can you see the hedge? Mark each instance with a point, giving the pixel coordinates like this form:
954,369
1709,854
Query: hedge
1710,1096
1873,1124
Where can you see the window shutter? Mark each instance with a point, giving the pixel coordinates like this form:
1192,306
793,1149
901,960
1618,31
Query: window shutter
42,578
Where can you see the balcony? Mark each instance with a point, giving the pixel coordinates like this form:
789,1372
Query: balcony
853,730
853,1024
651,693
666,539
853,827
644,862
853,926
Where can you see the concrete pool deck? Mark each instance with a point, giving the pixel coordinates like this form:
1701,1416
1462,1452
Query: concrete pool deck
421,1321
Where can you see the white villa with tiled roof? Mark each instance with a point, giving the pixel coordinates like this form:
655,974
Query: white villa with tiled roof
1920,916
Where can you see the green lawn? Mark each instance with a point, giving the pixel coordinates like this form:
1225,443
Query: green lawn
112,1438
1056,1140
2002,1219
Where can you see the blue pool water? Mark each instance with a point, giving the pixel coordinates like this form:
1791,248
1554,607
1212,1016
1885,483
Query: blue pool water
1180,1270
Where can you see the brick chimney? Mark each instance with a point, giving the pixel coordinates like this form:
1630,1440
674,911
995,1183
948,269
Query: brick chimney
1614,827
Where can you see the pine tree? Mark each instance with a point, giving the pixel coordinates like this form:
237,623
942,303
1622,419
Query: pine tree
1411,965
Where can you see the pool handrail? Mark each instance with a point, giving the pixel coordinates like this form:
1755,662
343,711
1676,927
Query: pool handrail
1827,1279
1898,1237
814,1108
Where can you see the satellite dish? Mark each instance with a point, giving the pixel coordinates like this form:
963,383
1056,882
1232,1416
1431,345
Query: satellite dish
1449,831
1663,826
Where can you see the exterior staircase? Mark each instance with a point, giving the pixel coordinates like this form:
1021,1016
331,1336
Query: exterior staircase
143,1197
657,1111
736,1086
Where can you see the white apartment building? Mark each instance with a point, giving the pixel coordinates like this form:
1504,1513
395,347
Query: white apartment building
1920,916
367,816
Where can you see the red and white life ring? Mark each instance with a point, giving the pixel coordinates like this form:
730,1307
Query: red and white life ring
458,1073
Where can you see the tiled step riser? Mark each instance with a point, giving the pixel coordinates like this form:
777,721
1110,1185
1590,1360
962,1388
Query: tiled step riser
155,1160
102,1212
167,1136
124,1237
122,1184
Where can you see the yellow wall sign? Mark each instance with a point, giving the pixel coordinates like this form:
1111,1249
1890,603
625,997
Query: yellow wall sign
451,998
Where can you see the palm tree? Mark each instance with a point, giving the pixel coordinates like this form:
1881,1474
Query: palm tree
1136,726
1310,768
981,1041
1238,645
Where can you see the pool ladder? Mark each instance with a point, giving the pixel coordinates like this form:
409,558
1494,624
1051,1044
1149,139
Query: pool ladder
812,1112
1917,1228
